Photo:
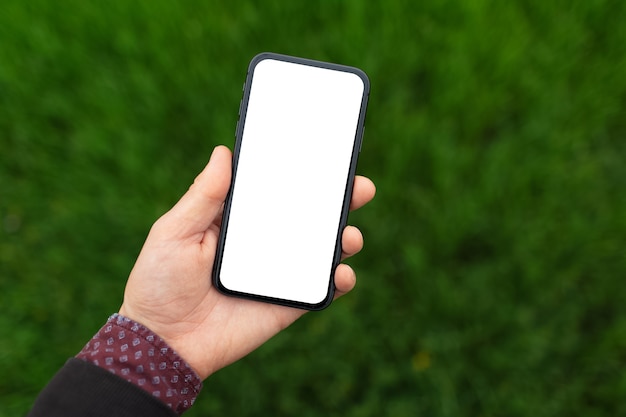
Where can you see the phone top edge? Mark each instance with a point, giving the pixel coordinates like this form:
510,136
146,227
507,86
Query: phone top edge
314,63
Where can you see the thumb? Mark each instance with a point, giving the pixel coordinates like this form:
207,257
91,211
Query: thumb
199,206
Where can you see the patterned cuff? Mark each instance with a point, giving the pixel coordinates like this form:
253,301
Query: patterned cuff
133,352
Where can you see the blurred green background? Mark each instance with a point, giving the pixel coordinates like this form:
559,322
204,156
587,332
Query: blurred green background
491,283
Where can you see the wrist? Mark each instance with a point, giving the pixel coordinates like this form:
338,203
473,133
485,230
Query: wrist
176,341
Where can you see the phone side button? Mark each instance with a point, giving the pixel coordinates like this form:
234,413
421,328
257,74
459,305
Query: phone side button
361,141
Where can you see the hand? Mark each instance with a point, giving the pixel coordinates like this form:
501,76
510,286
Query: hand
170,291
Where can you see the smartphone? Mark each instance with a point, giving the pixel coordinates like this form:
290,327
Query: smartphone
298,138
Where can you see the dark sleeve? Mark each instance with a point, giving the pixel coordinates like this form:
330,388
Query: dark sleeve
135,353
84,389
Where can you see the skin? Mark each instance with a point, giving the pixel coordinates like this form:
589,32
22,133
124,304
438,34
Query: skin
169,291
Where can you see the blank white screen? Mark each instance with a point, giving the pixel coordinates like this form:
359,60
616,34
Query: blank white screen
293,167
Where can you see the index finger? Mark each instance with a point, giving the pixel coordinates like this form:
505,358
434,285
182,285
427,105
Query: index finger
363,192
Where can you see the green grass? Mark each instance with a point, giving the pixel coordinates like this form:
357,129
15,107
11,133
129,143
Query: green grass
492,281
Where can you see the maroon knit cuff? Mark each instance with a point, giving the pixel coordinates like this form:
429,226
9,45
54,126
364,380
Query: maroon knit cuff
133,352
